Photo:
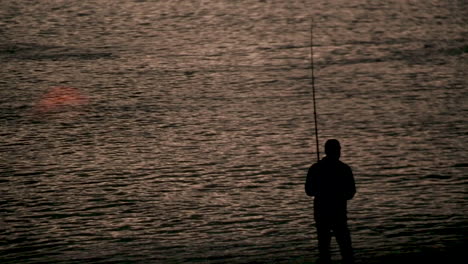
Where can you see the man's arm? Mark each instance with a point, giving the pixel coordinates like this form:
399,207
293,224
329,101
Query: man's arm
350,184
311,181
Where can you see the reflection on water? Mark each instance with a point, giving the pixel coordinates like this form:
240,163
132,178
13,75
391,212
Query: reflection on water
188,131
58,99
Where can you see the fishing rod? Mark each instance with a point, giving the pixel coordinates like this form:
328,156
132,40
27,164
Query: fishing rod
313,86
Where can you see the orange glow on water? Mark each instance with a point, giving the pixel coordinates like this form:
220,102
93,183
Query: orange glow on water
60,98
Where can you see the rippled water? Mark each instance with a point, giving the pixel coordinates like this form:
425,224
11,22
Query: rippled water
196,133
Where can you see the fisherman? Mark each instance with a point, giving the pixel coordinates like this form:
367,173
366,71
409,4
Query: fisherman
331,183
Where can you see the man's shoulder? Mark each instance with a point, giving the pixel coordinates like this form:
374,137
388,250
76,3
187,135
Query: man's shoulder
314,166
324,163
344,165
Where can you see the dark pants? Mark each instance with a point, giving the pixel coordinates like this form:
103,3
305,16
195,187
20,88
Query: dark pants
328,219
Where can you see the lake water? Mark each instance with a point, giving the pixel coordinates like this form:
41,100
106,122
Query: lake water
181,131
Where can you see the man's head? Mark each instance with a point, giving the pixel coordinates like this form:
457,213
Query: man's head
333,149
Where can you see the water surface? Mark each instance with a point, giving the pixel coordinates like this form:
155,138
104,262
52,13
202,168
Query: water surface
197,130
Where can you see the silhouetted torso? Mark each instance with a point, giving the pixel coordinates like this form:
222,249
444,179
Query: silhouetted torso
331,178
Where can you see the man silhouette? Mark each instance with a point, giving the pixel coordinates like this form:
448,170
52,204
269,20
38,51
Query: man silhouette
331,183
